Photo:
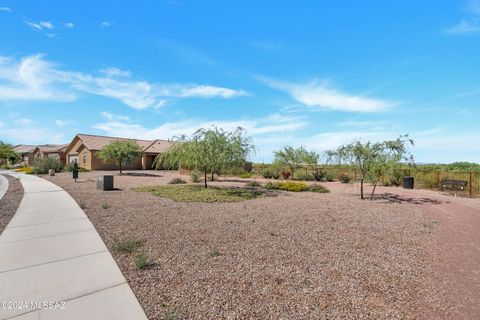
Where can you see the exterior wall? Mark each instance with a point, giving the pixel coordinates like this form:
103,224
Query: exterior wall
72,151
27,158
97,164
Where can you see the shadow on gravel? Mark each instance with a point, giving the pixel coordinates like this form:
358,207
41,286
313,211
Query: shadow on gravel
395,198
139,174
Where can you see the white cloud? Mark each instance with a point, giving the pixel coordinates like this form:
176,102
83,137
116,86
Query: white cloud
26,131
464,27
468,25
112,72
35,79
23,122
70,25
209,92
114,117
105,24
5,9
62,123
40,25
318,95
273,124
32,79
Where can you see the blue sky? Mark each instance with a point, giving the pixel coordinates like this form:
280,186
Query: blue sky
312,73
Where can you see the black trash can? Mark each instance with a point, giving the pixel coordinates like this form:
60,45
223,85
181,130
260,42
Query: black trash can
408,182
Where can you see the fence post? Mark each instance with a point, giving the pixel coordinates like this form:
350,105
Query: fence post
470,187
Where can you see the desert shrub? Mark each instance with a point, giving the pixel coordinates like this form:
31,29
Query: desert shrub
41,166
105,206
303,176
319,175
270,173
128,245
27,170
286,174
171,314
395,178
215,253
345,178
253,184
245,175
318,188
329,177
292,186
248,166
141,260
177,181
195,176
69,168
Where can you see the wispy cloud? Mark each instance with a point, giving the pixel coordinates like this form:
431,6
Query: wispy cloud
469,24
106,24
69,25
62,123
35,79
6,9
40,25
319,95
274,124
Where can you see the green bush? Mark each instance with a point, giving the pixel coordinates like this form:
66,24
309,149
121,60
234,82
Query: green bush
292,186
253,184
128,245
329,177
245,175
269,173
303,176
41,166
345,178
318,188
177,181
319,175
395,178
195,176
141,260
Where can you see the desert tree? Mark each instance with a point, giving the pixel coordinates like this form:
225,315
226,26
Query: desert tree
373,160
120,152
7,153
208,151
290,157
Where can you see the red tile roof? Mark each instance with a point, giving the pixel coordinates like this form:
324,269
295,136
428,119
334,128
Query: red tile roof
95,142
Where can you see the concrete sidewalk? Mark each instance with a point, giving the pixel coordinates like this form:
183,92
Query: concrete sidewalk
3,186
54,265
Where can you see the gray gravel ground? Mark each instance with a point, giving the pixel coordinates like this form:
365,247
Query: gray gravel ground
10,202
293,256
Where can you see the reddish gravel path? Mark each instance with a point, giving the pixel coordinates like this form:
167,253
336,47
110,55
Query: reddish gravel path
457,254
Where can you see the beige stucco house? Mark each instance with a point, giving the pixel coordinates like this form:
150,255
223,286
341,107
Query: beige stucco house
84,147
51,150
25,151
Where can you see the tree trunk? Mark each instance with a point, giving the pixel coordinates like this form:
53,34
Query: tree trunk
291,169
373,191
361,188
212,176
120,165
205,180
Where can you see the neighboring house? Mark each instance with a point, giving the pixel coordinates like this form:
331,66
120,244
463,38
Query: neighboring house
84,147
25,151
51,150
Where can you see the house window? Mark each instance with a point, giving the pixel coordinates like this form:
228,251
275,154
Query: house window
84,158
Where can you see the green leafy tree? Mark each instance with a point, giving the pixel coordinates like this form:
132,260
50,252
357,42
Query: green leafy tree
7,153
373,160
290,157
120,152
208,151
